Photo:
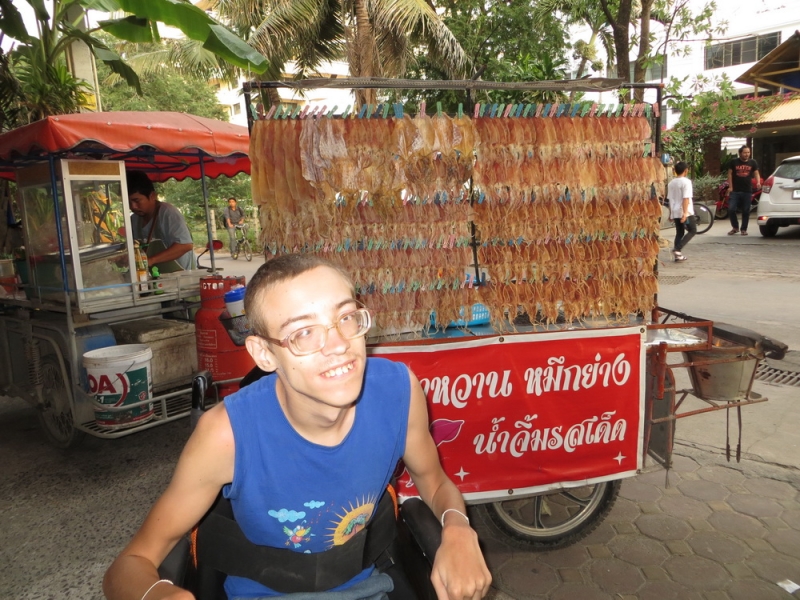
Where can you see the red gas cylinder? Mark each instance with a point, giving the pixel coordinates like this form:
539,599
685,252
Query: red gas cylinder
216,351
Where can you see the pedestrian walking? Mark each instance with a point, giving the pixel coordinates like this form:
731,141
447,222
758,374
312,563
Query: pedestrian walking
681,209
742,173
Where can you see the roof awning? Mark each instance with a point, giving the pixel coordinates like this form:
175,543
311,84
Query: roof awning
164,144
780,69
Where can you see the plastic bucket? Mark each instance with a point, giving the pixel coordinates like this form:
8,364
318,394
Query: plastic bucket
120,375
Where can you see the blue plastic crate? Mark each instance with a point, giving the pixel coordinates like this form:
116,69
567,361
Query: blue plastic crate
480,316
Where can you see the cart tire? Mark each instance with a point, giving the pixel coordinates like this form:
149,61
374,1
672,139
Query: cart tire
722,213
248,252
55,415
551,520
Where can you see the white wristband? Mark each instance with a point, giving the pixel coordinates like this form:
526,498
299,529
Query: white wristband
154,585
455,510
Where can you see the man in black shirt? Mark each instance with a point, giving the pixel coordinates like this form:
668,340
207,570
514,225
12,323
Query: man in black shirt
741,175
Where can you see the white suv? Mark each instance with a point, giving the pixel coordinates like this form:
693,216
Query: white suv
779,205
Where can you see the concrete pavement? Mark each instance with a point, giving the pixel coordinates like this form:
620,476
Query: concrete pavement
717,531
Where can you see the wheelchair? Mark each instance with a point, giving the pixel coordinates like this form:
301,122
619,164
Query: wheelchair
201,561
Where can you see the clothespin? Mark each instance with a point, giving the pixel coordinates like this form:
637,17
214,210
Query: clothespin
619,111
271,112
587,106
363,111
422,107
398,110
476,111
626,110
460,110
438,109
331,111
562,109
647,110
575,109
485,110
346,111
304,111
385,110
508,110
278,112
546,110
369,111
494,110
527,110
554,110
656,110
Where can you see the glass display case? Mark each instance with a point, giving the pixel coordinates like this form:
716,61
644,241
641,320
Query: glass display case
75,247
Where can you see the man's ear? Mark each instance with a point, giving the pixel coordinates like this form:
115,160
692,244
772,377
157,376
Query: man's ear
262,355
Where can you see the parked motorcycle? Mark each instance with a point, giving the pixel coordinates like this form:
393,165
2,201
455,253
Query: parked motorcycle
724,193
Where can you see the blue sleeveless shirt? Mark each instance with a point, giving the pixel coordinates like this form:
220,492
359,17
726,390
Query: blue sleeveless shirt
288,492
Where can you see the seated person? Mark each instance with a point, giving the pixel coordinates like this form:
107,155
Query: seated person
305,452
155,220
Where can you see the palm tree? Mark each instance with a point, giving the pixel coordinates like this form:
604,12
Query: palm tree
375,37
38,61
587,13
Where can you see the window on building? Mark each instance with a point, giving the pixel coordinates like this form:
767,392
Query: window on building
237,109
747,50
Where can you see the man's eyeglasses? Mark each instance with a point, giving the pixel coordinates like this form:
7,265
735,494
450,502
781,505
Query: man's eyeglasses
313,338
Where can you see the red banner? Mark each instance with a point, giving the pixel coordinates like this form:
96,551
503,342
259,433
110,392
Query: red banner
531,412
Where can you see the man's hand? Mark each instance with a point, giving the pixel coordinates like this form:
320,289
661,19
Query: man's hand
683,219
459,571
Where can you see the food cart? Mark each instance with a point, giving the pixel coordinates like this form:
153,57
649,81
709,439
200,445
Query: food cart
509,255
75,292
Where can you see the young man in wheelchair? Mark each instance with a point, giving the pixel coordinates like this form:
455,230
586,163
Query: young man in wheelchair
305,453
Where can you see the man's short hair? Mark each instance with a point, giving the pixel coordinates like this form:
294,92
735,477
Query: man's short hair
680,168
277,270
139,183
232,198
743,148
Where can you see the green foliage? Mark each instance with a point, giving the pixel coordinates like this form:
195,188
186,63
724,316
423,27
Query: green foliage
709,116
163,90
38,65
499,40
187,195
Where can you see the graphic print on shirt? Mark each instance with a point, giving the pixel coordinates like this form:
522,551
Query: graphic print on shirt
351,521
300,533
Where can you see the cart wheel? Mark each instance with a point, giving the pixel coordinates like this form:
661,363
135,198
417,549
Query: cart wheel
55,415
551,520
722,213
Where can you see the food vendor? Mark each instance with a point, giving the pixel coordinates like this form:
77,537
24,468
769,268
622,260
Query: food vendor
159,226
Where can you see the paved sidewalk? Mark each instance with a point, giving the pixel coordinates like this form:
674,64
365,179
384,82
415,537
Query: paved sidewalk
717,532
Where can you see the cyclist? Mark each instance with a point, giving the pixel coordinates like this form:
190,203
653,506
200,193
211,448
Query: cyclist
233,216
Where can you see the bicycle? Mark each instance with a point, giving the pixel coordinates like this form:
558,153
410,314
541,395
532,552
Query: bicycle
242,242
703,217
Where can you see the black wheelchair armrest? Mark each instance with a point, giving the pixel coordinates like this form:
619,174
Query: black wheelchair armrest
176,563
423,525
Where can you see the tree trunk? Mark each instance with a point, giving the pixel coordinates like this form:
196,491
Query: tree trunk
364,51
639,69
619,25
712,153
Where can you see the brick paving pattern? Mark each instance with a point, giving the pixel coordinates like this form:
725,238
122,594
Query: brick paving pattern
716,533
